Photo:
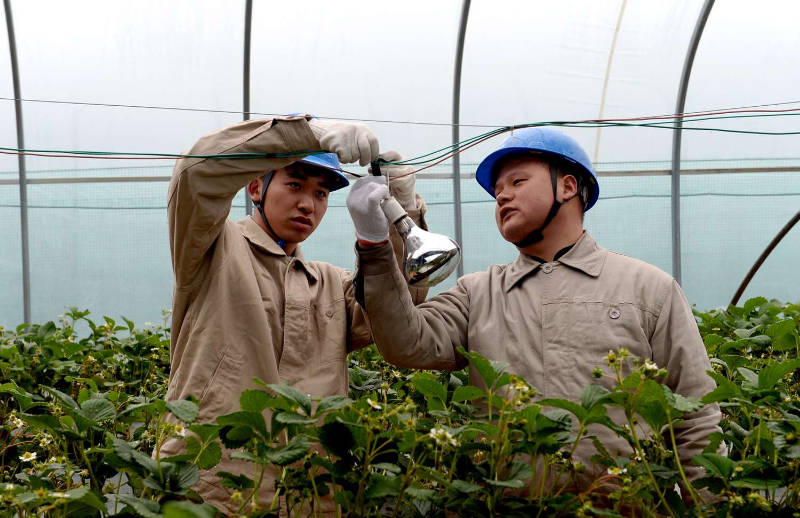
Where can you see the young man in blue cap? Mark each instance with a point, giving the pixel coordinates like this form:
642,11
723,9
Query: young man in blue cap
554,313
246,303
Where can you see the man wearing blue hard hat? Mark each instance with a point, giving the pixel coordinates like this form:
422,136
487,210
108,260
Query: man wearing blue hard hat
554,314
246,303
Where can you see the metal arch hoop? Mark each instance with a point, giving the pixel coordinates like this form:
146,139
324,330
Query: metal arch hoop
675,188
462,29
770,247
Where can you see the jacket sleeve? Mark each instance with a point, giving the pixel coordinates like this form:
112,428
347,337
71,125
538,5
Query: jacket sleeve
202,189
358,323
678,347
422,337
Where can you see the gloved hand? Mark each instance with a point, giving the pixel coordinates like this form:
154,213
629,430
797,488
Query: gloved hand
350,141
401,188
364,204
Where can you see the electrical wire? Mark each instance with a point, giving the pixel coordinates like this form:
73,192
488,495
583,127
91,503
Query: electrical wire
333,117
431,159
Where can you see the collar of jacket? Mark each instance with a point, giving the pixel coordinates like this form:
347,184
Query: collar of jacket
264,242
585,256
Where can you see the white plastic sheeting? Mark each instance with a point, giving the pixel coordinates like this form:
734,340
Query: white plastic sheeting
105,246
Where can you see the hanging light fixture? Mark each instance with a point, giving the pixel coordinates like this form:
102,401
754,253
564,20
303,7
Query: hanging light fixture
428,258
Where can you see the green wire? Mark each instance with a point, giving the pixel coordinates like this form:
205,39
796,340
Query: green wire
443,152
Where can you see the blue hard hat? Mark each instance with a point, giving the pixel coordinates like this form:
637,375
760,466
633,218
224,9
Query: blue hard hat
329,162
542,140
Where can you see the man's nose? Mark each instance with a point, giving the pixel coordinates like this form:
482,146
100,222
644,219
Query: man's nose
306,204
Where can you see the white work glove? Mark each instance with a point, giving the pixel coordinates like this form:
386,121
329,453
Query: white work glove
364,204
401,188
350,141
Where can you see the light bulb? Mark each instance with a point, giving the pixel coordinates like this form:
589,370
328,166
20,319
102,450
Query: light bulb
428,258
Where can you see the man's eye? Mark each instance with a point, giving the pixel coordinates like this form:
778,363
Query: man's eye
294,185
322,194
518,181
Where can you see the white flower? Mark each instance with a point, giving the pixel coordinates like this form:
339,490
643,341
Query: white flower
9,487
373,404
148,324
28,456
15,422
180,430
617,471
45,439
442,437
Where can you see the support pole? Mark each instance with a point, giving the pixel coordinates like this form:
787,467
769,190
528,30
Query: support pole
770,247
675,187
248,22
23,183
462,29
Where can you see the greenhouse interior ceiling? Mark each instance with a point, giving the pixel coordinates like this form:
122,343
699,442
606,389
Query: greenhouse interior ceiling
686,109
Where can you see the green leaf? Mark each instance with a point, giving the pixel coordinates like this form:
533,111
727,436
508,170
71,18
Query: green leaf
184,410
681,403
771,375
205,430
187,476
84,495
337,438
184,509
570,406
592,394
254,400
292,394
465,487
420,493
427,384
251,420
22,397
467,393
98,409
749,376
143,507
291,418
715,465
232,481
754,303
486,369
126,452
209,456
513,484
726,389
289,453
381,486
332,403
388,466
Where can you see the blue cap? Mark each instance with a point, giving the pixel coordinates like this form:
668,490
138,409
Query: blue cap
329,162
542,140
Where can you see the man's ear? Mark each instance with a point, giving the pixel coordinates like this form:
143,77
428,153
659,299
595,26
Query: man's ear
254,189
569,186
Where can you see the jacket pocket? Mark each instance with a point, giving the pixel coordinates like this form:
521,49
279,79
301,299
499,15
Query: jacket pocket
221,393
577,337
330,330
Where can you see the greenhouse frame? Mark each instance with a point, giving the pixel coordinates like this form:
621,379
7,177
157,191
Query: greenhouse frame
702,200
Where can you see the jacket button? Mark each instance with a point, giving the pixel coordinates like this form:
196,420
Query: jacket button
547,268
614,313
329,313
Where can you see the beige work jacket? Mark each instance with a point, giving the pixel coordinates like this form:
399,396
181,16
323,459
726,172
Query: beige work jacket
552,323
242,308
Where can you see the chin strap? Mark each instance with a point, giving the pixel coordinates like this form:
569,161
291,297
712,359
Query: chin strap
536,235
260,206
